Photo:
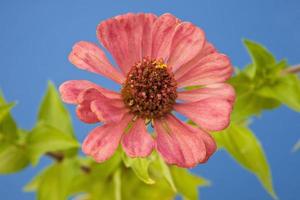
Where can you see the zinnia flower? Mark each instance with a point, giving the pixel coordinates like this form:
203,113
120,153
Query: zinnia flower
157,58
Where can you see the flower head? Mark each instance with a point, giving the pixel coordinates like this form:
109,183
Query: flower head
157,58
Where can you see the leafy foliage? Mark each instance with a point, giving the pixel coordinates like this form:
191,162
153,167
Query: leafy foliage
245,148
187,183
53,113
13,154
45,138
53,130
140,166
261,85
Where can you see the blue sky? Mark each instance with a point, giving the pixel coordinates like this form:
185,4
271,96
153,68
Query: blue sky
36,37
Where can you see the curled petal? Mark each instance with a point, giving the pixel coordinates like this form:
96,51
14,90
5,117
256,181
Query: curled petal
96,104
218,90
178,143
210,114
138,142
108,110
88,56
102,142
209,142
84,113
214,68
188,40
70,90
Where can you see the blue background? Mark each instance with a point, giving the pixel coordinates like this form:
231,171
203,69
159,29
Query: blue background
36,37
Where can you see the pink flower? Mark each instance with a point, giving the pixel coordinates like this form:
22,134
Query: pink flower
157,58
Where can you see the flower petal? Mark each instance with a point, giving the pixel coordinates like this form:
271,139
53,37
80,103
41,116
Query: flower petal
103,141
132,25
138,142
96,104
149,20
122,36
70,90
188,40
209,142
214,68
178,143
162,34
108,110
88,56
207,49
210,114
84,113
218,90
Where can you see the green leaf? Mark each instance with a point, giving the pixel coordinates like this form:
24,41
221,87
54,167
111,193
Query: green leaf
53,112
135,189
8,127
140,166
286,90
187,183
100,182
45,138
5,109
55,181
245,148
165,170
94,181
13,158
107,168
250,71
34,183
249,100
261,57
297,146
250,104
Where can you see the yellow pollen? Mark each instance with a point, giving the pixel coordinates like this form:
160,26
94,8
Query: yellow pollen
159,64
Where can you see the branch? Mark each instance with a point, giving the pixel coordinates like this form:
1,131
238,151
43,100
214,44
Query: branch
292,70
59,157
56,156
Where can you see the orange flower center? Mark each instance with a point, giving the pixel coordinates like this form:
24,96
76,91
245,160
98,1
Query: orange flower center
150,89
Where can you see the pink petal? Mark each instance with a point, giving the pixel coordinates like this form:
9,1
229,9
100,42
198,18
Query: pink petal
96,105
188,40
214,68
108,110
209,142
162,34
178,143
132,25
84,113
103,141
210,114
138,142
88,56
122,36
70,90
207,49
149,20
218,90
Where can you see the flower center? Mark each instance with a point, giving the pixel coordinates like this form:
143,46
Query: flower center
150,89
